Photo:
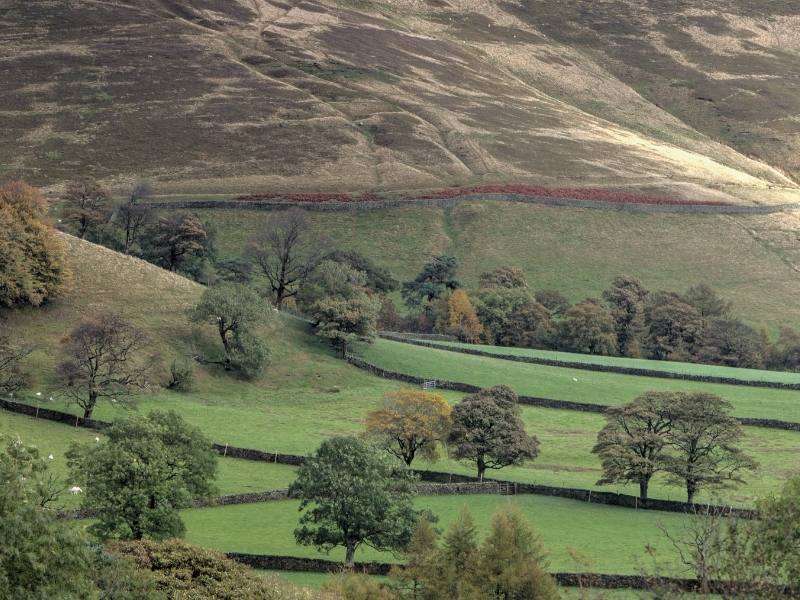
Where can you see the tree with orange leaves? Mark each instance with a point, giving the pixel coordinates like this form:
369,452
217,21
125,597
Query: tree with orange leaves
33,267
410,422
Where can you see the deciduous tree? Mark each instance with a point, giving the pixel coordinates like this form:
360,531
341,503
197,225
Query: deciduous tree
552,300
458,318
776,534
13,375
286,252
488,430
40,556
626,296
438,276
341,308
146,469
345,320
731,343
756,558
530,325
105,357
33,268
86,205
588,328
236,311
175,239
378,279
411,422
353,495
234,270
674,327
503,277
511,317
631,444
702,439
132,219
707,302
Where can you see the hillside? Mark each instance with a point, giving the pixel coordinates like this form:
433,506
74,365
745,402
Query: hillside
308,395
574,250
692,98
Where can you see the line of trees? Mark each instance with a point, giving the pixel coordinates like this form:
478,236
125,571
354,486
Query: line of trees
756,558
134,481
627,320
107,358
689,437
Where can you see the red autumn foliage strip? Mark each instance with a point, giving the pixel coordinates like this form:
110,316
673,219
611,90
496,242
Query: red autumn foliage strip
591,194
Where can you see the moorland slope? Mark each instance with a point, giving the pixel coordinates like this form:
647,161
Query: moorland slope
696,98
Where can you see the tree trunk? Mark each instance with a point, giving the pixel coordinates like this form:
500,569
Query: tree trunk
481,468
691,490
280,294
89,408
350,554
644,483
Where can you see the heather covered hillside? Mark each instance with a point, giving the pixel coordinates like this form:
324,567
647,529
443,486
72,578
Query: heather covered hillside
692,98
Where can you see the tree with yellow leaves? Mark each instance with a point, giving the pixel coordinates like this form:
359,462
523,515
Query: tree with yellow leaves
410,422
457,317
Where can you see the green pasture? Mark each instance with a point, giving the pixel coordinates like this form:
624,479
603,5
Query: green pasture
612,539
682,368
565,458
590,387
234,476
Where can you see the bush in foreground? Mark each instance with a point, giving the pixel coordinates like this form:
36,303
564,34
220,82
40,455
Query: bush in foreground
186,572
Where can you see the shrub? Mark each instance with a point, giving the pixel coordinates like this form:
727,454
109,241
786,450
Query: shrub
187,572
181,376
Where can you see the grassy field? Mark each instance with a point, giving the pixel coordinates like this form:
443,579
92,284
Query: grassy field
307,395
630,363
234,476
576,251
561,383
566,440
612,538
